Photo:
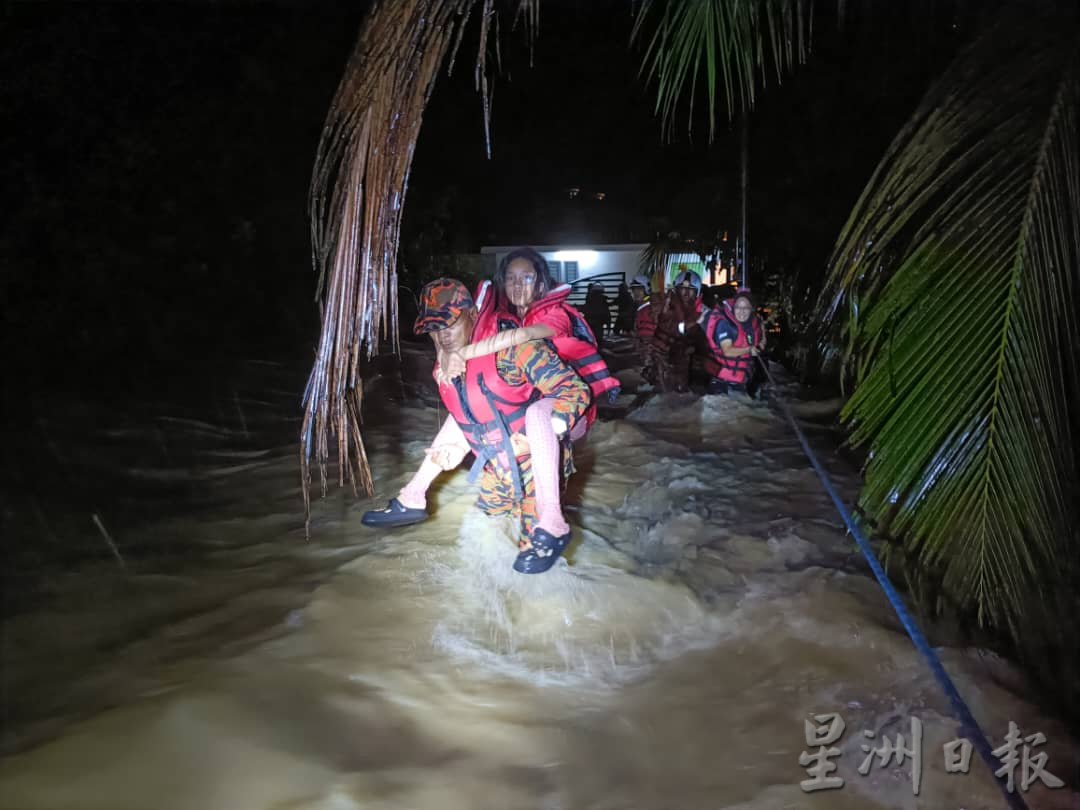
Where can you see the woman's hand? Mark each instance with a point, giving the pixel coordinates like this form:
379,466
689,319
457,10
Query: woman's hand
519,444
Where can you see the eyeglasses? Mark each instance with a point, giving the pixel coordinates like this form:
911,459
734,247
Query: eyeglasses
524,279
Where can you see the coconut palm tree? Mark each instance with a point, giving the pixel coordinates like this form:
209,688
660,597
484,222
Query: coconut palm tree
953,293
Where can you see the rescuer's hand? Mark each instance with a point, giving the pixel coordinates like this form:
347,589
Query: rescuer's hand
453,364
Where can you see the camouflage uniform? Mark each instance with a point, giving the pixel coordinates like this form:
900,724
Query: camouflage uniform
534,362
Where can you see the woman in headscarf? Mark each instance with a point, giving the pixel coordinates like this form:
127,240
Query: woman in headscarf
735,337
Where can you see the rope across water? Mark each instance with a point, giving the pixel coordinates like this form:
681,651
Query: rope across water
969,725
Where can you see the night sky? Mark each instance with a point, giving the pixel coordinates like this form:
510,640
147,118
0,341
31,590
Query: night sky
157,160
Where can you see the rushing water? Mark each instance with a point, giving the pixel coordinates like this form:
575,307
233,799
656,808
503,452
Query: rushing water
709,605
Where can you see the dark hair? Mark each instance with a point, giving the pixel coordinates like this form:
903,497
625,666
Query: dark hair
749,300
543,283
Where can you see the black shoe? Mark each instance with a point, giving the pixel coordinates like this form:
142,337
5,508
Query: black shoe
546,549
394,515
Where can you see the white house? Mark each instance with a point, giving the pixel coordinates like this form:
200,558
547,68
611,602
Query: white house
611,263
570,263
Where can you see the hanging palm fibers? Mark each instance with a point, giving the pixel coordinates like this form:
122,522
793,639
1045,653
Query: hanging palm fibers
357,193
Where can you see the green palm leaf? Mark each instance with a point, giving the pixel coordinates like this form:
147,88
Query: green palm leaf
955,281
717,42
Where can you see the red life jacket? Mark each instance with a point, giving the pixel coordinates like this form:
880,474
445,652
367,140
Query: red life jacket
667,324
573,340
488,410
735,370
645,320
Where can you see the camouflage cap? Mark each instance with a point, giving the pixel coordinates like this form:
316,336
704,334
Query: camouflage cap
441,303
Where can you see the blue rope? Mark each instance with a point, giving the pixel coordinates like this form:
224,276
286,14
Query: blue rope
969,725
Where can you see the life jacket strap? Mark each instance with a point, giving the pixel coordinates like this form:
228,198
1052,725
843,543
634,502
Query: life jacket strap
504,430
587,360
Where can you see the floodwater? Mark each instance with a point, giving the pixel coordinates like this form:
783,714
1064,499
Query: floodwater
709,606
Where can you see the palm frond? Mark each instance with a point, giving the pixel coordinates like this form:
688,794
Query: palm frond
718,42
357,189
357,192
657,255
956,282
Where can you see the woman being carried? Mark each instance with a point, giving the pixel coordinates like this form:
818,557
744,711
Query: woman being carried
508,409
523,303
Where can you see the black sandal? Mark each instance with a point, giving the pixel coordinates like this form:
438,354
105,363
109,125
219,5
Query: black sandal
394,515
546,549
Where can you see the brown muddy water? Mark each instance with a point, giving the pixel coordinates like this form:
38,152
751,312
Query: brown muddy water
709,605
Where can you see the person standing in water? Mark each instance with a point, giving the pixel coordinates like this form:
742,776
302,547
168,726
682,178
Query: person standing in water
735,338
597,311
674,331
511,409
625,309
645,314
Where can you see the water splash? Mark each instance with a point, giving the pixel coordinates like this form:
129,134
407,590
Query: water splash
591,624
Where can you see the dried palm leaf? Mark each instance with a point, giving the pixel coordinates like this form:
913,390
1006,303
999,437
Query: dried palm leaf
357,192
361,172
